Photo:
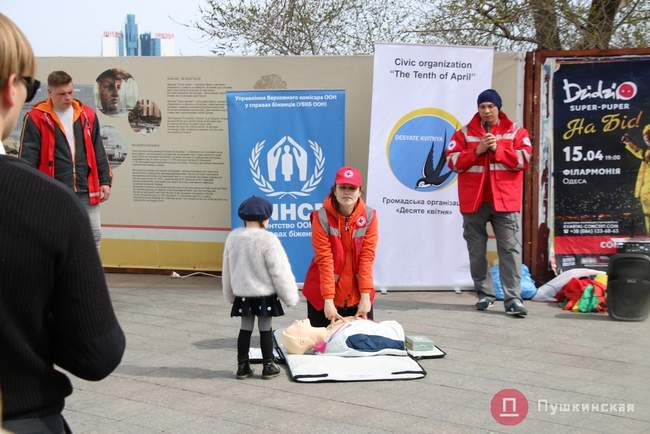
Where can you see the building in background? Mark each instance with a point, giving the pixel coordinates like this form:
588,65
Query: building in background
113,44
149,109
167,43
149,46
131,43
131,36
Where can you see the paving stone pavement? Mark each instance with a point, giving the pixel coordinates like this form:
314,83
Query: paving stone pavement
580,373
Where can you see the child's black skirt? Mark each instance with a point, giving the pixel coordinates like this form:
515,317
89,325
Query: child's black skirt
257,306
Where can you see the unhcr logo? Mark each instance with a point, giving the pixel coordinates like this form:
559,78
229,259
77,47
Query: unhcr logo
287,168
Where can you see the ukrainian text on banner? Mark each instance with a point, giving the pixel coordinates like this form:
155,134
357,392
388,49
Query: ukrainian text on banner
421,95
601,158
286,146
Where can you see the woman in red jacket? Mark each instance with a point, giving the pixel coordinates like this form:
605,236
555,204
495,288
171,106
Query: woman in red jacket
339,281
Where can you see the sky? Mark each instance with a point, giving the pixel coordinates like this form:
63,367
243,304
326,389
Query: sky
74,28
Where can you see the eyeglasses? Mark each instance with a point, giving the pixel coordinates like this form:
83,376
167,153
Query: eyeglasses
32,86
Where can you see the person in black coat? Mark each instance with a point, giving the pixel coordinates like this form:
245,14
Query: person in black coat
55,309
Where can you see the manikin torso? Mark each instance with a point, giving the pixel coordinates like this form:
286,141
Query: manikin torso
351,337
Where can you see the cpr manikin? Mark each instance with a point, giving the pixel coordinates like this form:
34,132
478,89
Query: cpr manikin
350,337
300,337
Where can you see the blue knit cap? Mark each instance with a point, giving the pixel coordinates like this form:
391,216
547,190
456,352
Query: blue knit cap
489,95
255,209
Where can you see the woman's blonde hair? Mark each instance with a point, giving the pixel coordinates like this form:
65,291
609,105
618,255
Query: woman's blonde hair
16,55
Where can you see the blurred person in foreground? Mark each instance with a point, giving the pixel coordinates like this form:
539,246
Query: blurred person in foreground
54,304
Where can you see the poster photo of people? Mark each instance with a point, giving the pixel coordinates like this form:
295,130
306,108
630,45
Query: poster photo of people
601,158
116,92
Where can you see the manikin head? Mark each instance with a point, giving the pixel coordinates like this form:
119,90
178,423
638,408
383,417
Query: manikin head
301,337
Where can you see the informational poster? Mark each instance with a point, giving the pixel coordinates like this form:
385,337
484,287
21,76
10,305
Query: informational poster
165,128
601,157
421,96
162,124
286,146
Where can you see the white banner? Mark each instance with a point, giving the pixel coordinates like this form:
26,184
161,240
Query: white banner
420,96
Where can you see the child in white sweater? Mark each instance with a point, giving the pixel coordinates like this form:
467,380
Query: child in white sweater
256,275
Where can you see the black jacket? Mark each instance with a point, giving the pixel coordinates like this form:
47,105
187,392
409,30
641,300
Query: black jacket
54,305
30,148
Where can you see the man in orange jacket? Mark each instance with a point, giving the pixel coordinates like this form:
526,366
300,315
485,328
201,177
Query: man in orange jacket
61,137
490,155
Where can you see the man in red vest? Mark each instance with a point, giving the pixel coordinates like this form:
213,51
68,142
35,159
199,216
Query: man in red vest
490,155
61,138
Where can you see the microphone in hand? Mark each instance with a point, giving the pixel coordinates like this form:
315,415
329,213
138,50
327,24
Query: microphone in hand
493,146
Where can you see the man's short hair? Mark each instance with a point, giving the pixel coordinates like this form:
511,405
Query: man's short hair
16,55
114,74
58,78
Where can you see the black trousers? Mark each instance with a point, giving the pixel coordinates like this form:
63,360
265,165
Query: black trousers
317,317
54,424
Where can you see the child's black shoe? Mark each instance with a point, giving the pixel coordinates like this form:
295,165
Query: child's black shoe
244,370
270,370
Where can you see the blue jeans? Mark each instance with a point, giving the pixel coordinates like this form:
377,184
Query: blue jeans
94,217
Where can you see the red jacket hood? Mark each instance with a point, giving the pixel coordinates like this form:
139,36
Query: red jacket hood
47,107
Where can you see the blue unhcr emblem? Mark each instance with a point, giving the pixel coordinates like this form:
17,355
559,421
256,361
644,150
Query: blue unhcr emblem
285,168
